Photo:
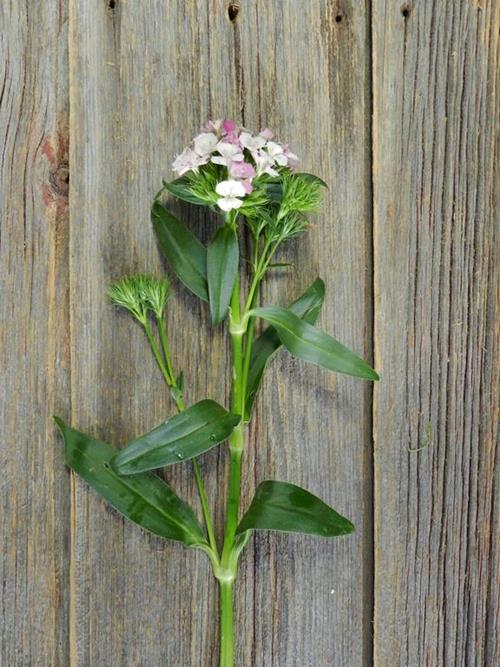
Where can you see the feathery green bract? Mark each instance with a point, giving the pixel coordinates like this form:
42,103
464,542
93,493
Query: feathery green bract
202,183
301,193
140,293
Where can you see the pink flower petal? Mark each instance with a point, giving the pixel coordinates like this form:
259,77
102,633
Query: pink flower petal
242,170
229,126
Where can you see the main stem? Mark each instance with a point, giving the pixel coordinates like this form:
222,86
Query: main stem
241,361
226,624
228,563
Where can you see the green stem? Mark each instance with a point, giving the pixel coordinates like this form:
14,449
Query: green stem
236,444
226,573
170,379
157,353
226,624
166,347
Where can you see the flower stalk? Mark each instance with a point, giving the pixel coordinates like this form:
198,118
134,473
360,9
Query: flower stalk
247,178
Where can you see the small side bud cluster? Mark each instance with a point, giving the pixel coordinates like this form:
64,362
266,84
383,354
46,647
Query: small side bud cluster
139,294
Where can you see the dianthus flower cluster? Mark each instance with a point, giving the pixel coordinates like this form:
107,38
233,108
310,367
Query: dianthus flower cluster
242,155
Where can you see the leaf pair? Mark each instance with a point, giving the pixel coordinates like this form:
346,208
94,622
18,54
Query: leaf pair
122,477
145,499
292,327
150,502
208,272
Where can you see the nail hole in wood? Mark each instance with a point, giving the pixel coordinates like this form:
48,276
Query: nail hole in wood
405,10
111,4
339,18
232,11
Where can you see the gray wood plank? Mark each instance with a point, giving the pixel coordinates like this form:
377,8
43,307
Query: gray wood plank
304,73
142,82
143,79
34,333
435,88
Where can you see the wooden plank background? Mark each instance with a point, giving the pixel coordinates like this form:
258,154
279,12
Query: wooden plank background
396,106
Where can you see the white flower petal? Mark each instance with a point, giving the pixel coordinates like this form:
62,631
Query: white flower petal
250,142
273,148
281,159
230,188
229,203
205,143
218,159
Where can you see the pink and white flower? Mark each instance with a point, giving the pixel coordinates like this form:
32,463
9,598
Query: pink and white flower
230,193
244,172
229,153
188,160
265,164
252,143
205,143
246,156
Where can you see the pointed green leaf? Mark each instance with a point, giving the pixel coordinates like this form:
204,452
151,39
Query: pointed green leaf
307,307
181,190
145,499
288,508
311,344
183,251
222,266
183,437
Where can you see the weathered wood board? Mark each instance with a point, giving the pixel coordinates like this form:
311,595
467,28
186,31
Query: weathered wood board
34,334
396,107
435,93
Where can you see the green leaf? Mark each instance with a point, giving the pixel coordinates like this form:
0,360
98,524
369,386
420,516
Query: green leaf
183,251
308,343
183,437
308,307
180,188
288,508
145,499
222,266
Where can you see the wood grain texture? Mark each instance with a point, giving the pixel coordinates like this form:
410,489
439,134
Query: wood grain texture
407,244
136,98
34,333
436,75
312,598
142,79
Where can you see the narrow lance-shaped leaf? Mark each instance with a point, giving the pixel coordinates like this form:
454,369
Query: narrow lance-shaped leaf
222,266
308,307
308,343
288,508
144,499
186,255
183,437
